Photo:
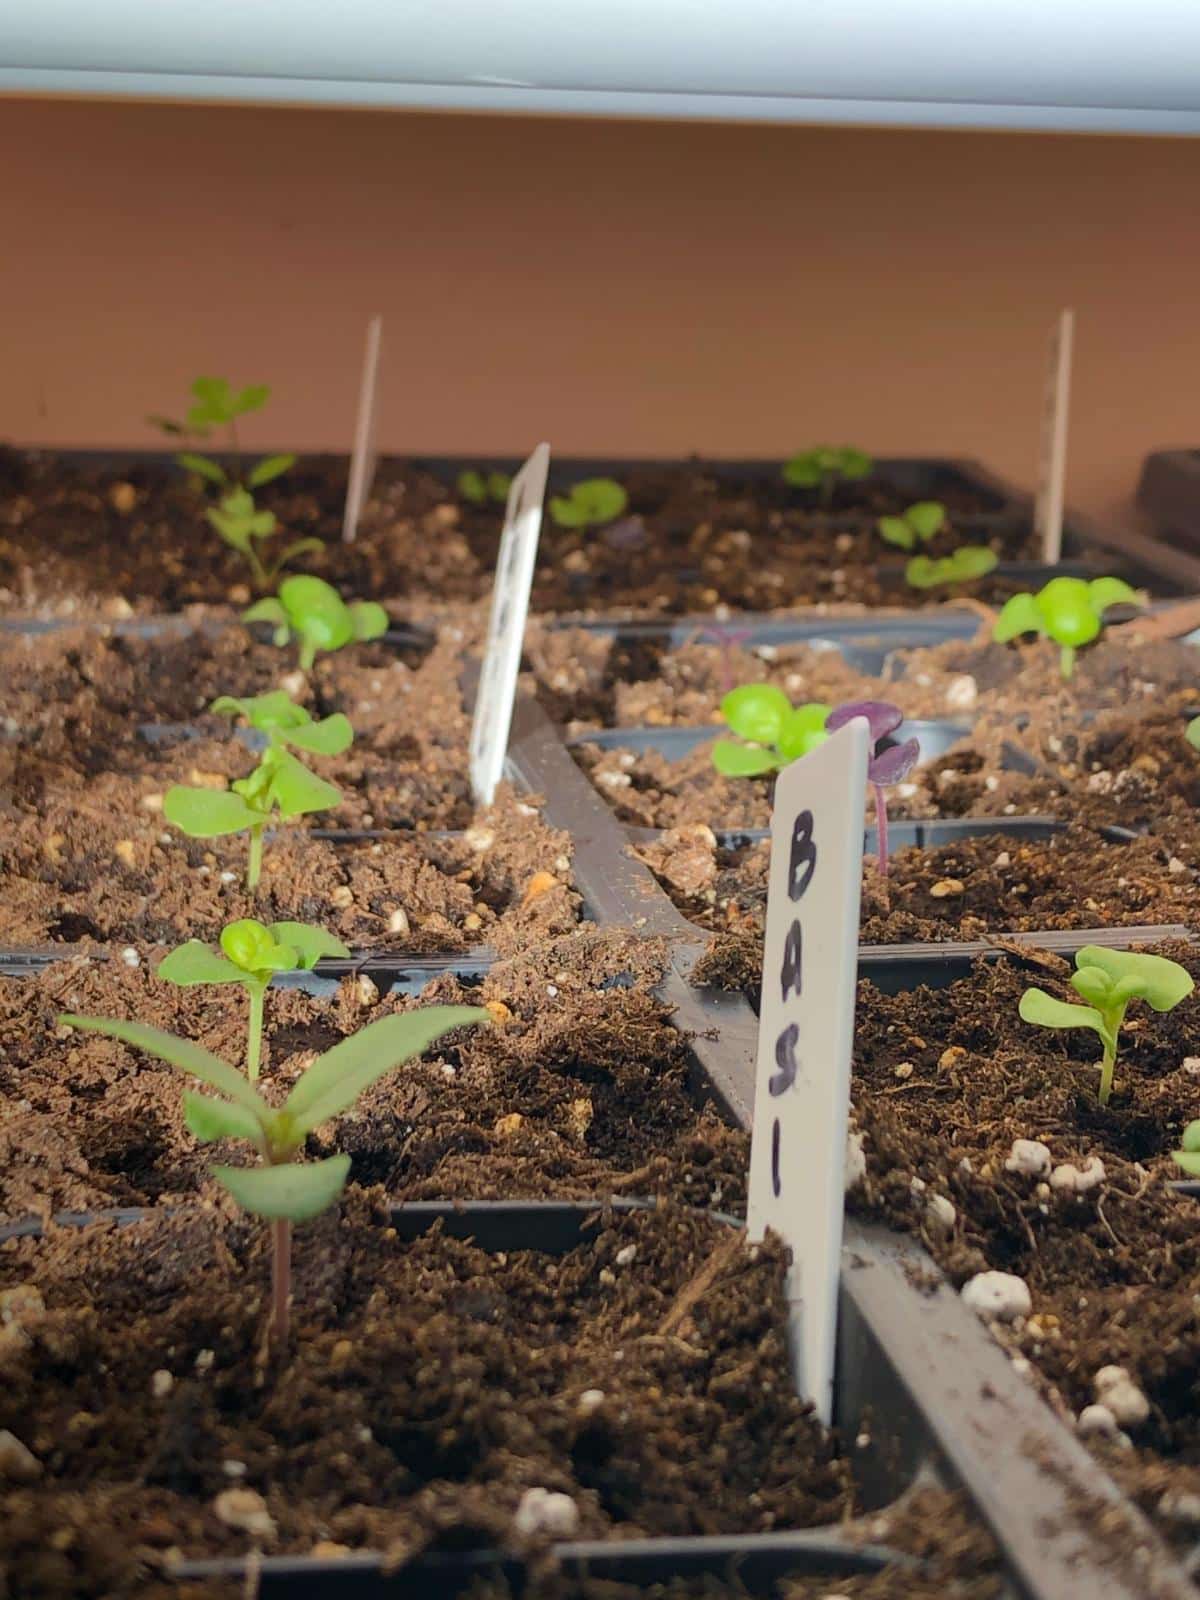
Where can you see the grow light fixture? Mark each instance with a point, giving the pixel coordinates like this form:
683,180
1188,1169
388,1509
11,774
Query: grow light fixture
1101,65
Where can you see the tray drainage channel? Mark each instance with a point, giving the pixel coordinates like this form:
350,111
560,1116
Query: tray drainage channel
919,1378
755,1561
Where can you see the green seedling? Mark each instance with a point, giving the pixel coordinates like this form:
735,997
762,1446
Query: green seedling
589,504
216,404
246,529
968,562
822,468
1068,610
253,954
1188,1155
281,1188
480,487
313,612
281,787
776,732
1192,733
920,523
1108,980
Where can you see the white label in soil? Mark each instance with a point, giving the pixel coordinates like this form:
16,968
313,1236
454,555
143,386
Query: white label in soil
362,459
1052,468
506,627
805,1036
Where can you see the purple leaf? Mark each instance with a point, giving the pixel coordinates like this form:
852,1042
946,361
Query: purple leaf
895,763
882,717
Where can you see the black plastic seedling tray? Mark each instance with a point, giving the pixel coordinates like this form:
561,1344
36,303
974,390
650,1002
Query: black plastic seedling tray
1064,1529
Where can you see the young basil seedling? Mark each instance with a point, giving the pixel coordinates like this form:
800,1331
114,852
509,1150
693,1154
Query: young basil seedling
1188,1155
1192,733
252,955
968,562
281,1188
245,529
480,487
1068,610
1108,980
777,733
917,525
822,467
885,767
589,504
215,404
312,611
280,784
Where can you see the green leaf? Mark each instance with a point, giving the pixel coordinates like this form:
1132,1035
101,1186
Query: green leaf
202,467
1020,614
1038,1006
756,711
268,469
897,531
1189,1160
298,547
288,1191
181,1053
329,737
1105,592
923,573
210,1119
1067,611
590,503
973,561
1092,983
1191,1138
803,730
208,813
926,518
1161,983
310,944
369,619
235,530
272,712
1192,733
266,611
498,485
256,949
315,609
803,471
565,512
296,790
472,486
336,1079
743,760
252,398
854,463
194,962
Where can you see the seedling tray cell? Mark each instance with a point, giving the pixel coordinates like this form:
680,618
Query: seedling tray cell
674,743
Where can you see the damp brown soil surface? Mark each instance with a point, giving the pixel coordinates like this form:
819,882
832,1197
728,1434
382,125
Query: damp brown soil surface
588,680
580,1087
966,890
944,1081
115,540
428,1385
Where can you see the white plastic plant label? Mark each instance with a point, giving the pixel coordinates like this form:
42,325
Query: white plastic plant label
506,627
805,1037
1052,468
363,456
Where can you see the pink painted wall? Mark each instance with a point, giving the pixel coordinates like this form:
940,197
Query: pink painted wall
614,287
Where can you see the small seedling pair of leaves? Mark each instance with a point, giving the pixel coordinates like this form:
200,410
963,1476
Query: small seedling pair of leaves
285,723
968,562
589,504
886,766
777,733
1108,980
822,467
480,487
283,1189
244,528
1068,610
253,953
1192,733
311,611
917,525
216,404
1188,1155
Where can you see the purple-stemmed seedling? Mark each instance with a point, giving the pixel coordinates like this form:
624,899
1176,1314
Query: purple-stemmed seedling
884,767
728,639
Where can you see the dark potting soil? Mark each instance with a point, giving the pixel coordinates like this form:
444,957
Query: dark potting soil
427,1387
944,1081
579,1089
108,541
966,890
